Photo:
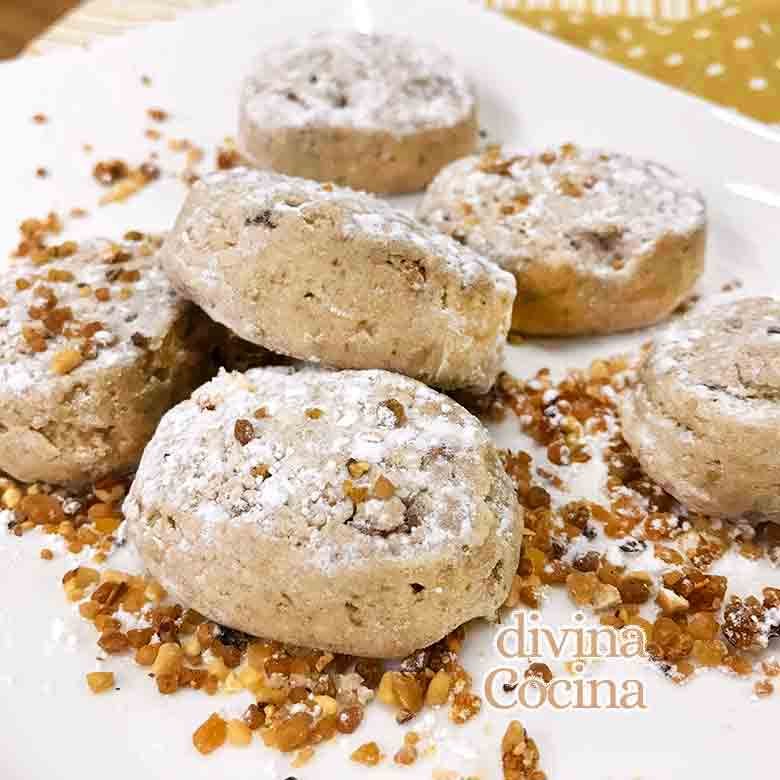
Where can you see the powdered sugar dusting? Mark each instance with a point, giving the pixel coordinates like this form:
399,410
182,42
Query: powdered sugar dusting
315,423
592,209
352,80
726,353
150,310
362,214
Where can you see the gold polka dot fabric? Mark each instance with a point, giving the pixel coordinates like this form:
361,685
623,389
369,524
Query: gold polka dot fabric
726,52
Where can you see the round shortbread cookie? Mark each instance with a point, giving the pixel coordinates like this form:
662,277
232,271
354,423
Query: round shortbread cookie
703,419
327,274
598,242
355,511
95,346
381,113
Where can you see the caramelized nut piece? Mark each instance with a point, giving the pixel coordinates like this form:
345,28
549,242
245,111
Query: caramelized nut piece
367,754
41,509
303,757
66,361
464,707
570,187
329,706
438,689
243,431
397,408
635,587
519,754
261,471
155,592
257,652
384,488
670,602
349,719
293,733
254,717
407,692
605,597
11,497
167,682
114,642
739,664
770,667
210,735
581,587
385,692
146,656
99,682
709,652
238,733
169,659
357,468
406,755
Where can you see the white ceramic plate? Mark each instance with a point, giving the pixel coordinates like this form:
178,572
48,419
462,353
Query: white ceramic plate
533,91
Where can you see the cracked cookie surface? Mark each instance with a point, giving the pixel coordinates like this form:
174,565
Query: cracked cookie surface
357,511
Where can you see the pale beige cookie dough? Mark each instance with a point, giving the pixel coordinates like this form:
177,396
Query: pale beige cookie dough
327,274
704,418
381,113
95,346
355,511
598,241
